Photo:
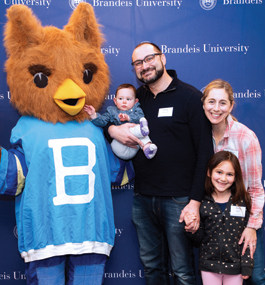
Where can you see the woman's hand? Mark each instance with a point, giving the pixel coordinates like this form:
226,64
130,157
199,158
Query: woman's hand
249,237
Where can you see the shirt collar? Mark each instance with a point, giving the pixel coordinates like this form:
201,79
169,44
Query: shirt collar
171,86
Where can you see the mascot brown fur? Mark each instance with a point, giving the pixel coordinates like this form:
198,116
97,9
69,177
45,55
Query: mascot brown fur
57,55
59,166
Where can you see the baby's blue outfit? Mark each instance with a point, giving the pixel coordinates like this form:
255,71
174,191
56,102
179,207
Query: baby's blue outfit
111,115
112,112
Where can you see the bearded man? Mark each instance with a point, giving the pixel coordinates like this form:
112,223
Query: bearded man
171,184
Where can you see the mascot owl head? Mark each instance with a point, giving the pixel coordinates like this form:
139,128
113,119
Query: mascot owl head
53,73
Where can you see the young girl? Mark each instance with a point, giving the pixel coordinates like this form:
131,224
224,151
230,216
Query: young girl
224,214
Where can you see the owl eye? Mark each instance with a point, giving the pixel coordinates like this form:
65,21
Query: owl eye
87,77
40,80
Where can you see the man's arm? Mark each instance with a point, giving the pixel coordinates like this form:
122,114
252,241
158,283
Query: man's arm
123,135
201,134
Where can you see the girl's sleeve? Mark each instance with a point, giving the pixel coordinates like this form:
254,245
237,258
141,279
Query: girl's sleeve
197,237
247,263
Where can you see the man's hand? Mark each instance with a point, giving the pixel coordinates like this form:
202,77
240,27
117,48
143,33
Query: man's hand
191,209
123,135
249,235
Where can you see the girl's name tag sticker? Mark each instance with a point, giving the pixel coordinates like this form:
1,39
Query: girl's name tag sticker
237,211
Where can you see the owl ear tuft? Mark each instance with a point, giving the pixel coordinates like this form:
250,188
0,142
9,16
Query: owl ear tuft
22,30
84,26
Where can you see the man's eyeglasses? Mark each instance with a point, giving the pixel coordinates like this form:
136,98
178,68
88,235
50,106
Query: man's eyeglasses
148,59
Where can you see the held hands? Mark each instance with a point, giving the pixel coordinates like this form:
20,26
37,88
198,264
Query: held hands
124,117
91,111
192,220
189,219
250,237
245,277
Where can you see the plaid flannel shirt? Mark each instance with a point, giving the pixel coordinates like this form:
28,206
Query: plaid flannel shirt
243,142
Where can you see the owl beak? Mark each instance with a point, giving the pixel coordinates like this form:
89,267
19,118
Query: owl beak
70,97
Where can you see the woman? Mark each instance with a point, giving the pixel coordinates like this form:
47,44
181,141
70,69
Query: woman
230,135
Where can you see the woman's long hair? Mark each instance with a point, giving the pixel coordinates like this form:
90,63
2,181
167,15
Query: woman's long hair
238,188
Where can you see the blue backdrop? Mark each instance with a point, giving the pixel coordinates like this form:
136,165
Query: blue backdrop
202,39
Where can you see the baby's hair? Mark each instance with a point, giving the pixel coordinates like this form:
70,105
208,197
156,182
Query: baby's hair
238,189
124,86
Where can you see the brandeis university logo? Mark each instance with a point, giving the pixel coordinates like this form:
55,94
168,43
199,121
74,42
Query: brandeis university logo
208,4
73,3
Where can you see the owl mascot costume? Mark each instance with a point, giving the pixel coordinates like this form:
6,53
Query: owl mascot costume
59,166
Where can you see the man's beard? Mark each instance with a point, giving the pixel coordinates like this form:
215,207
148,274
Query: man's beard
158,74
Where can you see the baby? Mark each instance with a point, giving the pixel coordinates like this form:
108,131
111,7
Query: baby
126,109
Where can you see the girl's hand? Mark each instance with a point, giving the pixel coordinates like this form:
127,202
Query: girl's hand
249,237
245,277
189,218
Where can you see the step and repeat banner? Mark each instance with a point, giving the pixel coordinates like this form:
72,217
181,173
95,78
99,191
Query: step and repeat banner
202,40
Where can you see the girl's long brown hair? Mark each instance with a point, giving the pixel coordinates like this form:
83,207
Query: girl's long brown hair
238,188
